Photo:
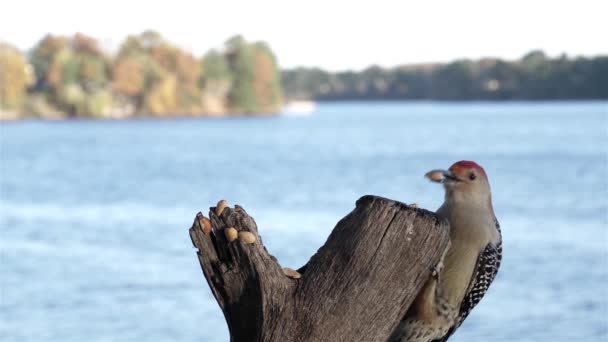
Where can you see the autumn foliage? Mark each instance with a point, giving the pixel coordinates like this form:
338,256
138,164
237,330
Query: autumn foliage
147,76
15,77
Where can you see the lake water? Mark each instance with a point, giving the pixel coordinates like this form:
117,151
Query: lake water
95,214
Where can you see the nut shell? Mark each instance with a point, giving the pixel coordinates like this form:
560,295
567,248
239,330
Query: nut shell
231,234
435,175
247,237
291,273
205,224
219,208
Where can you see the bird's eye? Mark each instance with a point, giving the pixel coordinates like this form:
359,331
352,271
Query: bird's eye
472,176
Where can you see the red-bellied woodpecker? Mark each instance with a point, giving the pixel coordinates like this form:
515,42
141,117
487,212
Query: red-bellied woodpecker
470,263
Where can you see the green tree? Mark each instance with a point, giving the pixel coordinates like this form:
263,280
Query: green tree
455,81
43,57
74,74
214,68
240,55
215,81
256,83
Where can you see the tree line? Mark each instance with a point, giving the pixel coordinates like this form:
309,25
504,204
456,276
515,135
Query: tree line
533,77
72,76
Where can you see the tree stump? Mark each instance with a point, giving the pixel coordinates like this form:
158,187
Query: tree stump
357,287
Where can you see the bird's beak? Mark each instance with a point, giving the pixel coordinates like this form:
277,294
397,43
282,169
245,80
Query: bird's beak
442,176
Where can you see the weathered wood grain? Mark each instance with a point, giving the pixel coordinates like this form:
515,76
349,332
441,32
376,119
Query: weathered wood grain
356,287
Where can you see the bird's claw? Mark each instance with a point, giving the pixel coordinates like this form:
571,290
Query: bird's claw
436,269
434,272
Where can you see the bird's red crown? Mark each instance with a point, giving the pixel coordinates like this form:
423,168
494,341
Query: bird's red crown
466,165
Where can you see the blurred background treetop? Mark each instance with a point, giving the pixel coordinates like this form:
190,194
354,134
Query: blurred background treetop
73,76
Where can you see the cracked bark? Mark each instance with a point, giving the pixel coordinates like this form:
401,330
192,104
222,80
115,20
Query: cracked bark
357,287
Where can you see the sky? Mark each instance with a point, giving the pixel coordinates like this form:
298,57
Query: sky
334,35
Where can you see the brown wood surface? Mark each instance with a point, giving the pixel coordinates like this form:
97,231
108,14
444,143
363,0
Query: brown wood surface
356,287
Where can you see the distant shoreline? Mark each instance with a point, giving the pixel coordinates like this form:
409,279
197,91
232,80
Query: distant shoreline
230,116
137,117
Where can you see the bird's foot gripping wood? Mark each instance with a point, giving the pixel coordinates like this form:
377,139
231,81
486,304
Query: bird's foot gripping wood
357,287
423,307
437,268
